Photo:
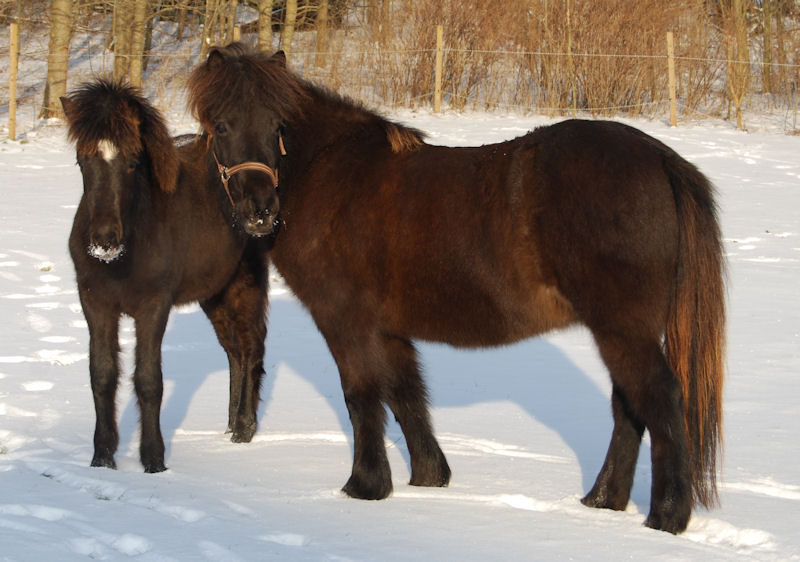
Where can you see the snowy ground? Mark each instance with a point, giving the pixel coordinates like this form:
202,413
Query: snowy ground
525,427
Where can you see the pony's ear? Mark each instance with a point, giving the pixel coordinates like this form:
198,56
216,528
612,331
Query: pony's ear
279,58
162,152
67,104
215,58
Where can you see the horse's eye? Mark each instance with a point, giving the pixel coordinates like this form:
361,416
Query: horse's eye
220,128
132,164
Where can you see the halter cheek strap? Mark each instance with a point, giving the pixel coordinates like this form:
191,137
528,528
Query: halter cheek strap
226,172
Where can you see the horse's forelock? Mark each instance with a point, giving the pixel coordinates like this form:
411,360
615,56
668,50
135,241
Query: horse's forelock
243,74
107,111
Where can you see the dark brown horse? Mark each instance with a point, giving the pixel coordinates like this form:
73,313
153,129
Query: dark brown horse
387,239
150,232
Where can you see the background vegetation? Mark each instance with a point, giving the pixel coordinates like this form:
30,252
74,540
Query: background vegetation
552,56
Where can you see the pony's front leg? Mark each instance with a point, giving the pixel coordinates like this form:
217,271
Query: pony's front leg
147,380
104,376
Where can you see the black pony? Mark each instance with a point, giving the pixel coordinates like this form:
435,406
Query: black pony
149,233
387,239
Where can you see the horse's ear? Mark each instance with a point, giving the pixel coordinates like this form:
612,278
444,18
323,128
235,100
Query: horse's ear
215,58
279,58
67,104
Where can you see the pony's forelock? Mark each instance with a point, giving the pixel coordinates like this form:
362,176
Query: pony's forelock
242,74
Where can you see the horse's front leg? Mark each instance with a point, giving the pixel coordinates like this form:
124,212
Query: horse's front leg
147,380
104,376
361,367
238,315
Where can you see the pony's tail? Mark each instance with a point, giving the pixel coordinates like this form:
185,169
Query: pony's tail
694,340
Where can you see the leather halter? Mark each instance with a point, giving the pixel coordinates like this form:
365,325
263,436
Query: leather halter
226,172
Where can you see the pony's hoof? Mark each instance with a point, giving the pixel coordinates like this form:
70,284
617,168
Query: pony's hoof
600,501
674,524
438,477
375,489
243,434
154,467
103,461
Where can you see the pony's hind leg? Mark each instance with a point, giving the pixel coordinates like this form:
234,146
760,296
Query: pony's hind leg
408,400
104,377
238,315
647,390
613,486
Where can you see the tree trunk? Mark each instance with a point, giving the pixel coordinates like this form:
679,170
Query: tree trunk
766,70
123,23
137,41
57,58
264,25
322,34
209,20
288,26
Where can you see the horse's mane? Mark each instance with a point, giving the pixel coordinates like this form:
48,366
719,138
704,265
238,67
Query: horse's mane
235,72
111,110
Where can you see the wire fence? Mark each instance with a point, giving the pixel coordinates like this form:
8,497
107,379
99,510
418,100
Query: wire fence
519,80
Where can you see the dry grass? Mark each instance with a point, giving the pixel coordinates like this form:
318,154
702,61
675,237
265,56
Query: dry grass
550,56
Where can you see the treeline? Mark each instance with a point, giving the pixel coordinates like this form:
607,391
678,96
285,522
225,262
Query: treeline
553,56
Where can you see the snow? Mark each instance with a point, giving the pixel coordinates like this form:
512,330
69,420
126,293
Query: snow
525,427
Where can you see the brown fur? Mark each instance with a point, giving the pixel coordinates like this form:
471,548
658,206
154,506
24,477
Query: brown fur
160,210
386,239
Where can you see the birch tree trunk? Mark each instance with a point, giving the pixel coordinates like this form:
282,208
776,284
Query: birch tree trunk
322,34
123,23
57,58
264,25
137,42
288,26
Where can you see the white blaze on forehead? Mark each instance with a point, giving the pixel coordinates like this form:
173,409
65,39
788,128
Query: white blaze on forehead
107,150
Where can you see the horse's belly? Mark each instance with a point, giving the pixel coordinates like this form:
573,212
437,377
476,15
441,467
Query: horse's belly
482,320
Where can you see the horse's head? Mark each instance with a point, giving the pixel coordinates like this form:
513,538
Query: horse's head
122,145
238,99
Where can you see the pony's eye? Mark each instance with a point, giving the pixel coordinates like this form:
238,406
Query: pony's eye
132,164
220,128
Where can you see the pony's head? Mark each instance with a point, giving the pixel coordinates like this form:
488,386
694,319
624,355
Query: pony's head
122,145
242,99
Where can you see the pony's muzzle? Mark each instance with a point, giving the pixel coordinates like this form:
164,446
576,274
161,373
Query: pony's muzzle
105,242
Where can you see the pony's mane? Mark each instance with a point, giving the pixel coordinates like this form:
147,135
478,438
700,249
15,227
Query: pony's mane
111,110
254,75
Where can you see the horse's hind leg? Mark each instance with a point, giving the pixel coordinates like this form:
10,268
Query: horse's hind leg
613,486
104,377
238,315
408,400
646,392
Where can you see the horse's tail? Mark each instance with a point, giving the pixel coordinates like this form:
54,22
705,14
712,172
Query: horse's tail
695,335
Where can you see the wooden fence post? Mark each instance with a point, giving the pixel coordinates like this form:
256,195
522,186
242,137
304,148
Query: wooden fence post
12,81
437,90
673,102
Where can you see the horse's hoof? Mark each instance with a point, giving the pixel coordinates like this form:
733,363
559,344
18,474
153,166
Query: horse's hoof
104,462
243,435
674,525
361,490
154,467
438,477
600,501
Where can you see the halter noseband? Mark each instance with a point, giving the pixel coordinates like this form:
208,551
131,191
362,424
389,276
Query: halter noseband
226,172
